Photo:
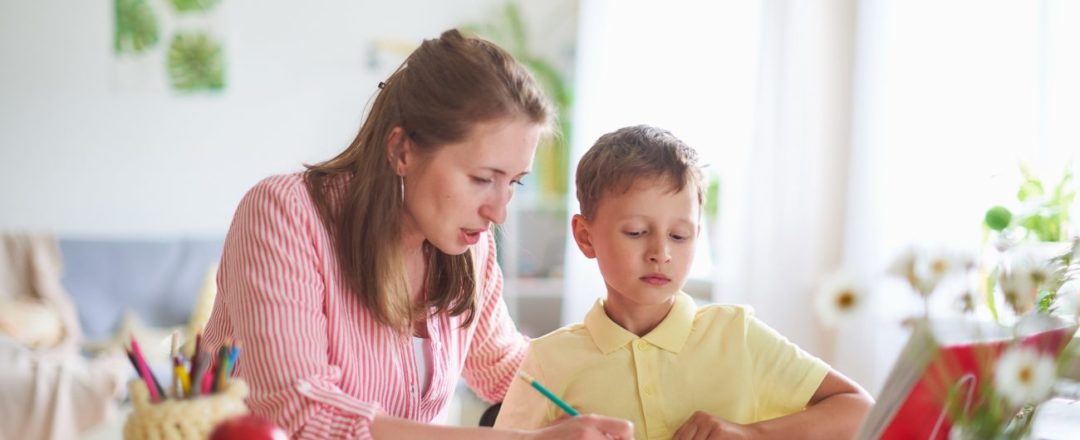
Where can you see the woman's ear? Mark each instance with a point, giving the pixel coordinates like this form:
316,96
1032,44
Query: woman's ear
398,150
580,228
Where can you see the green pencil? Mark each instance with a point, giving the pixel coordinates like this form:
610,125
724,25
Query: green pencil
551,396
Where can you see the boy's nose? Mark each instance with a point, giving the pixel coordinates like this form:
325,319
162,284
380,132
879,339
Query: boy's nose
658,252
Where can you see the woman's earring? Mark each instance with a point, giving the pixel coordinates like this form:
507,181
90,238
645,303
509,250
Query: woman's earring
402,180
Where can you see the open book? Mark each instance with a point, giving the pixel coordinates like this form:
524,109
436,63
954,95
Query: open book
949,357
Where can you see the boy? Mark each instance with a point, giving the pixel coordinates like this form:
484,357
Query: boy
646,353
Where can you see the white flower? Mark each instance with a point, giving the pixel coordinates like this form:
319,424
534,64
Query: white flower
931,266
903,266
1024,275
1017,287
838,297
1024,376
924,268
966,301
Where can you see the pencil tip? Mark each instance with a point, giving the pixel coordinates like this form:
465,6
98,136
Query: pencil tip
525,376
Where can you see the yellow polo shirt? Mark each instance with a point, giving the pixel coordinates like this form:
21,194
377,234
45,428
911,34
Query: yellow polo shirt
717,358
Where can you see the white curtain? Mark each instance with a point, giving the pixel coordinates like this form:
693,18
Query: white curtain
786,217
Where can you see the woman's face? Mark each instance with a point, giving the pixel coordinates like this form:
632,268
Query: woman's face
456,192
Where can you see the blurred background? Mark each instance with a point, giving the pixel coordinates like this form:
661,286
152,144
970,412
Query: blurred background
837,133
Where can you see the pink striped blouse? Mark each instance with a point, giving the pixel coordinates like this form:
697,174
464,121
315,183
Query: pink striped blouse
316,361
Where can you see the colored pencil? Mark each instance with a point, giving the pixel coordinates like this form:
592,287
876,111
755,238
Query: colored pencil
176,386
551,396
222,366
182,375
142,375
158,392
233,354
198,374
197,354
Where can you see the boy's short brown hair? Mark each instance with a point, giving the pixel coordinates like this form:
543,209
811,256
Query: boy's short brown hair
619,159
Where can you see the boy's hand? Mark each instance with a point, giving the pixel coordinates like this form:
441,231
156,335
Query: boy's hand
588,426
703,426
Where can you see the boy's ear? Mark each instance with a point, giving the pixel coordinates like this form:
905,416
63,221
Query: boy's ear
580,229
398,150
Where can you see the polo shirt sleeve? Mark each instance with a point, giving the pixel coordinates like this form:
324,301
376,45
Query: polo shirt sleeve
524,407
785,376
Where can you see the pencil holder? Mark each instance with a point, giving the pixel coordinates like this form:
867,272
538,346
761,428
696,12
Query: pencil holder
181,419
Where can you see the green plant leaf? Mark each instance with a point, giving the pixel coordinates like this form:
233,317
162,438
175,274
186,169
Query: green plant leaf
712,197
195,62
136,26
194,5
517,41
1031,185
550,80
1046,299
1030,189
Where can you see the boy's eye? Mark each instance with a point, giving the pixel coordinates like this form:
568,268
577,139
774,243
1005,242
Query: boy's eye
634,233
678,237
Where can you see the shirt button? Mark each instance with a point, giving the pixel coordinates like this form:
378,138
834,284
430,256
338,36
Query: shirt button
642,345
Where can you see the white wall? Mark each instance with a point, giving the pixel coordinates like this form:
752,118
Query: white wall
85,152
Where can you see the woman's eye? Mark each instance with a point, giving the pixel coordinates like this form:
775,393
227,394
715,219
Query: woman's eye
482,179
517,182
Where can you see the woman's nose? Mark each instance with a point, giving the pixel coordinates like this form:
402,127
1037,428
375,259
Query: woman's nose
494,211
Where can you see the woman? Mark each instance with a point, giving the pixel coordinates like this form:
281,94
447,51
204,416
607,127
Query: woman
363,287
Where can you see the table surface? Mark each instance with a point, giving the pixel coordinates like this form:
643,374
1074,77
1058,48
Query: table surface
1056,419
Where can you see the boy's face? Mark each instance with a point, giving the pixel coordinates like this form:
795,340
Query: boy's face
643,240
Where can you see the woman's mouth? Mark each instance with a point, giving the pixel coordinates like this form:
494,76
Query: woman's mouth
471,236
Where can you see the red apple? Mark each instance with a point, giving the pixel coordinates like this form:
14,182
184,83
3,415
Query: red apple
247,427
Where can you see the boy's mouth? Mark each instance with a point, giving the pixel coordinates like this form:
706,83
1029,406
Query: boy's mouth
656,279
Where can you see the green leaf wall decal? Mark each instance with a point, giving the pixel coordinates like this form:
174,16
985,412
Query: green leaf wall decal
196,62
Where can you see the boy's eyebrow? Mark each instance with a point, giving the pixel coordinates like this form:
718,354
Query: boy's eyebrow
687,220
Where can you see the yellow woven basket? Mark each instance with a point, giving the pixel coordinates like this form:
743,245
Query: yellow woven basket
182,419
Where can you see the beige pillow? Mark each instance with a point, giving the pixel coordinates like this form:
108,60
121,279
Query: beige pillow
31,322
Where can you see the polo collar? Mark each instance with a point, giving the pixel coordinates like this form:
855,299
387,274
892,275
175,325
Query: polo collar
671,334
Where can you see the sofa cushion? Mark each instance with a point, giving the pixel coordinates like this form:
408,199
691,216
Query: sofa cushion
158,279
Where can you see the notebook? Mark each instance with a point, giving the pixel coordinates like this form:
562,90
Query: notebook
949,356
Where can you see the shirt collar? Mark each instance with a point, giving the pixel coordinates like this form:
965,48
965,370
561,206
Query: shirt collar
670,335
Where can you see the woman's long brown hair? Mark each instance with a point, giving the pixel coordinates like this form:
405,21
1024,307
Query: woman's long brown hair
444,88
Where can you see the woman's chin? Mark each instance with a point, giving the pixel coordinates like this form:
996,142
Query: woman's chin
452,249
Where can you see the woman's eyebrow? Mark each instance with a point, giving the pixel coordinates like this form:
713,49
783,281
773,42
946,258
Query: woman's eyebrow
503,173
